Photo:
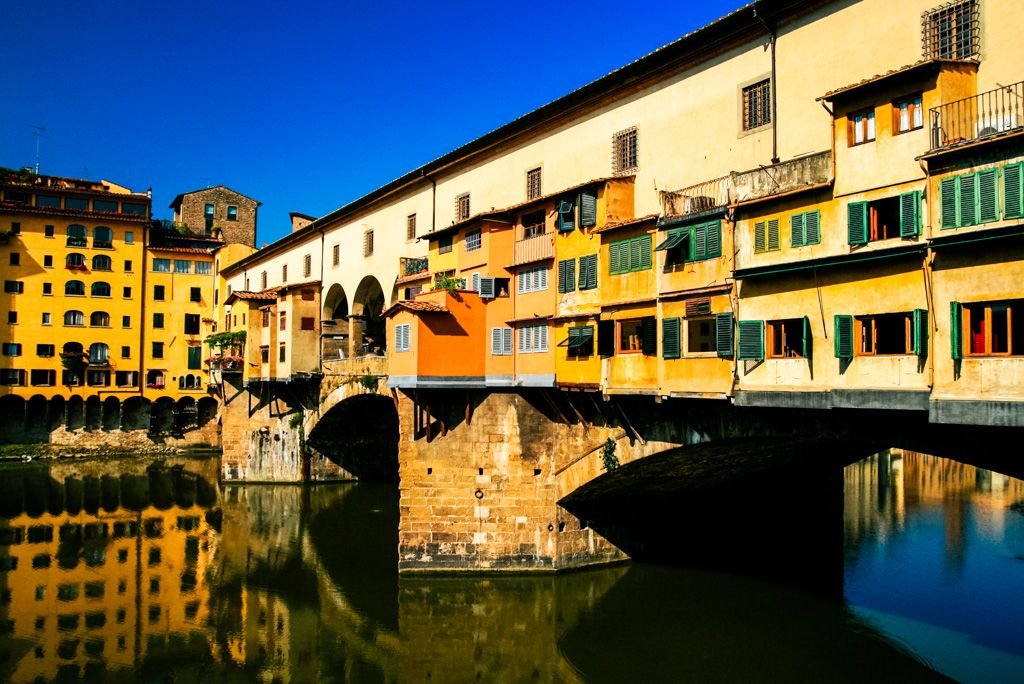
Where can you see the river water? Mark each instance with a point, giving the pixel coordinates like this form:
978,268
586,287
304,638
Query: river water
158,574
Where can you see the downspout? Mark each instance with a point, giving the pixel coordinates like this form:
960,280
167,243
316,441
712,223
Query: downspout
774,88
926,269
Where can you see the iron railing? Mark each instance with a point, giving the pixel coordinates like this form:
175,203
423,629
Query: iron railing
696,198
985,115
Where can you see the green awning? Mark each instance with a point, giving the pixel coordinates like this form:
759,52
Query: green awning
673,240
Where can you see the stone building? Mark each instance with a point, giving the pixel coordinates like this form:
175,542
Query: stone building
218,209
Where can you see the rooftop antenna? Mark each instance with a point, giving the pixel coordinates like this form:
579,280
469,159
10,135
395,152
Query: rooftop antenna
38,132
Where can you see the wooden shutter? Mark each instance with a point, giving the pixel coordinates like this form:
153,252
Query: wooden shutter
581,281
751,343
670,345
698,306
857,223
588,208
606,338
948,200
714,239
541,333
506,341
919,333
760,244
645,252
486,288
566,215
475,282
1013,191
724,335
525,339
541,275
910,214
988,202
570,275
773,234
562,273
808,349
700,242
956,330
812,227
496,342
194,357
588,265
649,335
615,258
967,187
844,336
797,236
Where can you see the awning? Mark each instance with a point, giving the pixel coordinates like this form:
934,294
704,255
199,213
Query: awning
673,240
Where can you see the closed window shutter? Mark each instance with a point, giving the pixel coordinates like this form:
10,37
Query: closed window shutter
496,340
700,242
857,223
633,263
723,335
194,355
645,252
615,258
773,234
812,227
956,330
670,347
948,199
487,288
844,336
920,332
606,338
525,337
541,342
588,208
566,215
760,244
506,340
591,281
988,204
968,194
1013,191
797,237
649,335
808,349
561,275
751,343
570,275
714,239
542,279
582,282
910,214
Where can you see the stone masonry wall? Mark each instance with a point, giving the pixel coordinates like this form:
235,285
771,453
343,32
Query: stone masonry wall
242,230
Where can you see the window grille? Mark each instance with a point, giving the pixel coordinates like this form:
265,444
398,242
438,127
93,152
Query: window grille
462,207
951,31
757,105
533,178
624,151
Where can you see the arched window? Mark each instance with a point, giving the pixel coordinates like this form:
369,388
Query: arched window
76,318
101,262
98,353
77,235
100,289
75,261
75,288
155,379
72,347
99,319
102,237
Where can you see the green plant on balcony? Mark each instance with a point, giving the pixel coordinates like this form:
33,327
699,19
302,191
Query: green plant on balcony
74,361
414,266
449,283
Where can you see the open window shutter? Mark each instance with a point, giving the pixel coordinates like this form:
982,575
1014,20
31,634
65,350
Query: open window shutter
808,349
700,242
948,200
487,288
812,227
574,335
606,338
857,223
751,346
566,215
760,237
910,214
591,262
645,252
714,237
1013,191
588,208
968,195
649,335
956,330
988,203
797,237
723,335
844,336
670,347
581,282
920,332
773,234
475,282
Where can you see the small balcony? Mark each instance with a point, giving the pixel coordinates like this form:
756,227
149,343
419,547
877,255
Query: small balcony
697,199
75,241
532,249
993,114
102,244
411,266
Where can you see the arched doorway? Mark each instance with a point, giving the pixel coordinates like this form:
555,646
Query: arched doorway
207,410
369,328
334,319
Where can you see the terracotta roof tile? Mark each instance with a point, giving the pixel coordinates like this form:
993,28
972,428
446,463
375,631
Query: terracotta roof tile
415,307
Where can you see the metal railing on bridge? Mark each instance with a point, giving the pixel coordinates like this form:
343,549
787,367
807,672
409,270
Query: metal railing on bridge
986,115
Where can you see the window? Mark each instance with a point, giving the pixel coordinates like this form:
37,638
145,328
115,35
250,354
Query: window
208,211
100,289
126,321
410,228
637,335
951,31
368,243
47,261
624,151
46,318
988,328
307,323
533,338
692,243
45,350
462,207
284,276
129,237
263,280
126,352
158,293
12,349
501,341
203,268
15,259
12,317
335,255
282,317
884,334
805,228
232,213
47,288
77,235
182,266
195,294
566,210
48,231
972,199
907,114
265,354
532,279
74,288
44,378
282,353
158,350
757,104
444,244
162,265
567,275
195,355
580,342
70,378
884,219
788,339
860,127
265,320
533,190
307,265
626,256
127,265
75,261
191,324
99,319
158,320
701,335
402,337
12,376
14,287
98,353
533,224
102,237
104,205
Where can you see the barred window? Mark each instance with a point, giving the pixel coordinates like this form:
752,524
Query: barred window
472,241
263,280
624,151
410,227
307,265
951,31
533,190
335,255
757,105
462,207
368,243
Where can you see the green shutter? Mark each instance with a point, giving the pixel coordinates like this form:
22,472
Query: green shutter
581,282
773,235
967,187
797,236
1013,190
808,349
566,215
588,209
670,348
760,244
645,252
566,275
956,330
812,227
857,223
606,338
723,334
919,333
844,336
194,357
574,334
988,203
700,242
910,214
649,335
634,260
714,239
615,253
588,272
948,200
751,346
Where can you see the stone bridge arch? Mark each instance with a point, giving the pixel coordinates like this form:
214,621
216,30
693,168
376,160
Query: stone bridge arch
357,427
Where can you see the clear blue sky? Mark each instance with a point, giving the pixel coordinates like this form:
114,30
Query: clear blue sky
302,105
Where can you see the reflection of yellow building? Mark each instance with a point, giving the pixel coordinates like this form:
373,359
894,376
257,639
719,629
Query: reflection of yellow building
99,591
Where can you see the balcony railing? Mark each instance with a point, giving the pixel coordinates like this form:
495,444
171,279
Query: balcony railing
408,266
535,248
697,198
74,241
981,116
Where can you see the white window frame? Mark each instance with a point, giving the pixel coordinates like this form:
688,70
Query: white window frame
533,339
501,341
402,332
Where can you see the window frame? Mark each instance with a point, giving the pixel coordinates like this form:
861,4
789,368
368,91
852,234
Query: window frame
968,313
861,123
749,109
914,106
625,151
534,180
472,241
784,326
